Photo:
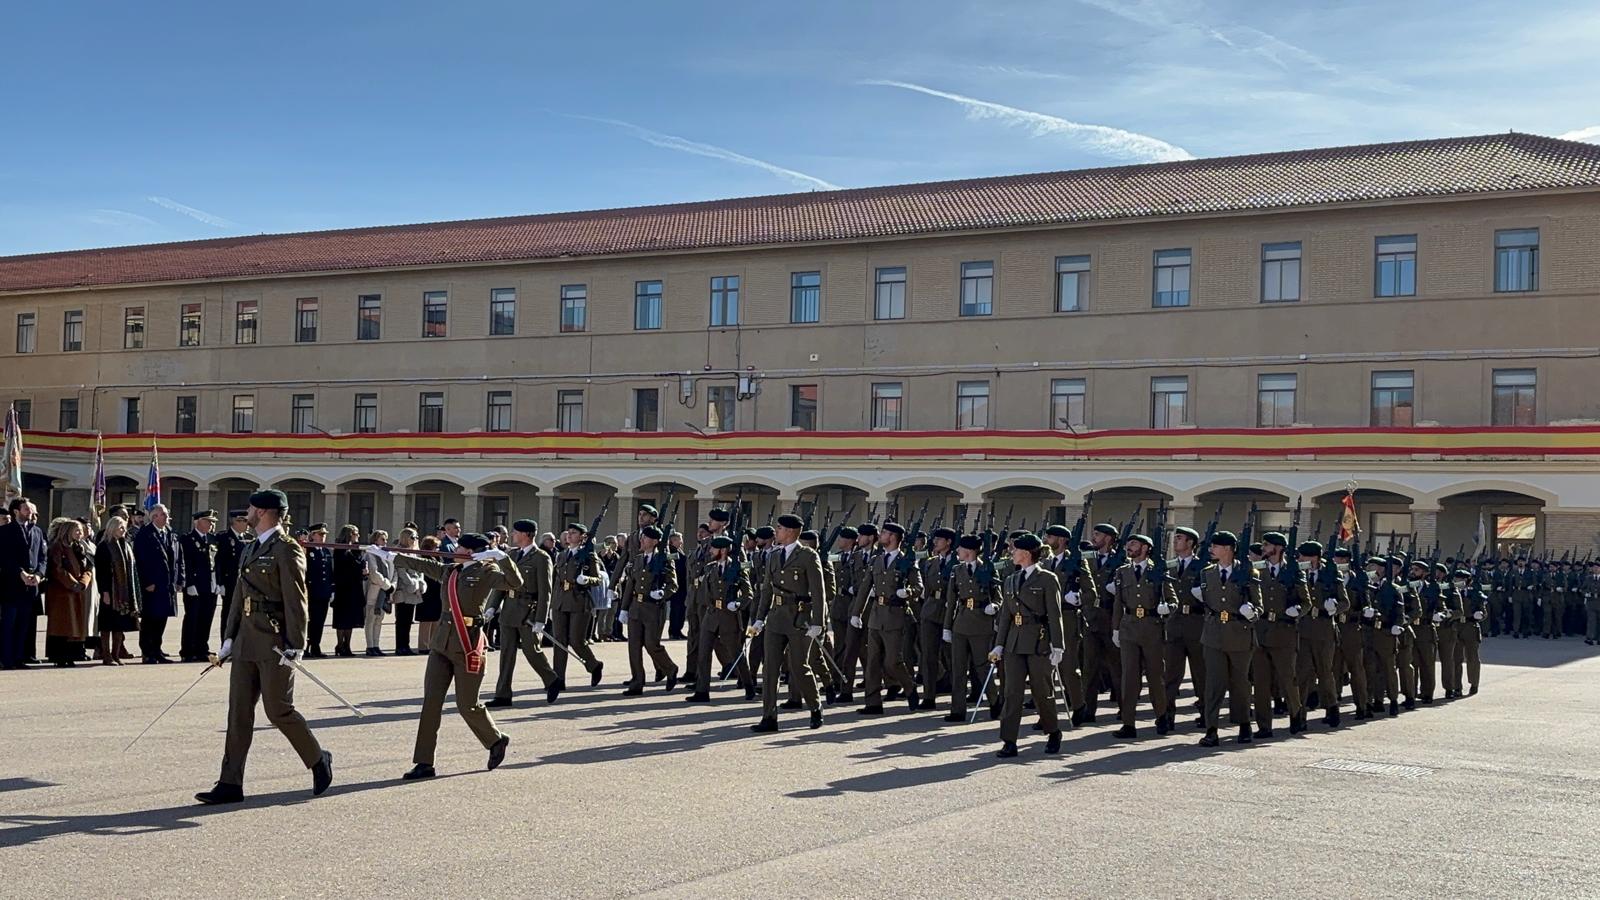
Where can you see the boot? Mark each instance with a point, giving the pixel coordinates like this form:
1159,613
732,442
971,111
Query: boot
816,718
1053,743
497,751
1297,723
322,774
1007,750
1126,732
596,672
1164,724
419,772
767,725
1394,709
222,793
1244,735
698,697
1210,739
554,690
1332,718
955,718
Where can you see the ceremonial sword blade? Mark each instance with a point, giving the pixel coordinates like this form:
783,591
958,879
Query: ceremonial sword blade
174,702
981,691
318,682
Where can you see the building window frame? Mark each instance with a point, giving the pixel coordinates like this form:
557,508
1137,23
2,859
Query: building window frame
498,408
430,412
805,297
1516,260
246,321
186,414
191,324
365,416
72,328
435,314
646,415
307,311
1514,398
243,420
977,289
27,332
1394,265
67,414
1392,391
502,311
1174,278
889,293
1069,403
805,406
569,410
722,408
369,317
1277,399
1073,274
133,328
1169,401
648,305
132,420
574,314
303,413
972,405
24,408
725,301
1281,269
887,406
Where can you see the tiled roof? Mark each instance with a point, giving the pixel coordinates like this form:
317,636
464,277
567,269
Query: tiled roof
1431,168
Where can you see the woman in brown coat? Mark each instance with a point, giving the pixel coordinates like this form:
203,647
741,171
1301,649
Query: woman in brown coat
66,580
118,581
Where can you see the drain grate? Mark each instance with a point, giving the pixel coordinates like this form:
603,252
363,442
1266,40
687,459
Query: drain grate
1360,767
1215,770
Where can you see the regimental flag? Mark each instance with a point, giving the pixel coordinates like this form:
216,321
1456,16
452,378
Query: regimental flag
1480,538
11,471
97,495
1349,522
152,483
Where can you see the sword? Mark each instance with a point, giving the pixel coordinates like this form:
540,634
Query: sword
728,673
203,674
981,691
317,681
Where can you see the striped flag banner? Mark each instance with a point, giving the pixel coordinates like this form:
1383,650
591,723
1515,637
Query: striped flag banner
97,496
152,483
11,472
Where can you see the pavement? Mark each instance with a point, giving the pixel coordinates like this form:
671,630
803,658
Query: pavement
1496,795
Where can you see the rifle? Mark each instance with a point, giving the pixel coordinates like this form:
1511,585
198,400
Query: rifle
907,559
737,518
1203,552
1074,548
833,537
1287,573
1158,563
586,552
1249,526
660,560
1127,532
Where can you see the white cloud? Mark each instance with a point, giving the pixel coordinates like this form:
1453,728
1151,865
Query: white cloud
1590,134
684,145
118,218
1115,142
198,215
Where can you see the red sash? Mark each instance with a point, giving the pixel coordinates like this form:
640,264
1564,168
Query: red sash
474,650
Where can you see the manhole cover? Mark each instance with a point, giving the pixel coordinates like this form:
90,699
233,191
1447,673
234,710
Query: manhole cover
1215,770
1386,770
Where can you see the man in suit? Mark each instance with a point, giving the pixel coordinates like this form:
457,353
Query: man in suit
522,614
22,572
230,549
159,557
200,565
790,613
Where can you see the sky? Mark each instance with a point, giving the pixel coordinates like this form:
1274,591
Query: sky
139,123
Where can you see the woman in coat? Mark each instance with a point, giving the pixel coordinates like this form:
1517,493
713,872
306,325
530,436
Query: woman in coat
90,598
66,581
409,587
117,579
349,589
380,581
432,605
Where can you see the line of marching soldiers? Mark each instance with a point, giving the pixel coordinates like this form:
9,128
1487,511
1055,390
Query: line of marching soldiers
1008,622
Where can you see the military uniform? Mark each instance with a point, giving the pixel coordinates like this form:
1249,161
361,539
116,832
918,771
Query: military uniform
1528,588
1555,602
1100,657
971,624
719,593
1277,643
1354,634
1184,627
1449,634
887,614
1327,604
518,612
1229,640
844,578
230,550
1475,609
1140,591
200,591
790,605
1591,608
1389,671
931,609
1425,621
1064,567
572,609
651,579
319,588
1029,631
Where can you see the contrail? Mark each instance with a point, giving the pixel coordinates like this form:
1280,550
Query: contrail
684,145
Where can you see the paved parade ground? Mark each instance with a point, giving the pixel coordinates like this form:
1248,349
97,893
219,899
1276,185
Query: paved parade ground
1493,795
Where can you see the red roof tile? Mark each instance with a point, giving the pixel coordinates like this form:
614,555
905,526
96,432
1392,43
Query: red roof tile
1431,168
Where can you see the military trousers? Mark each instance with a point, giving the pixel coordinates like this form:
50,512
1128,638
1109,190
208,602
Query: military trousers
1470,642
1497,614
1071,668
823,669
1100,657
1425,658
1385,665
1272,671
444,668
793,650
969,667
1314,669
646,623
1593,631
692,618
884,661
572,629
198,612
514,639
1227,672
1555,611
1525,616
1143,650
272,683
722,634
1183,646
1351,661
930,654
1034,671
848,641
317,619
1449,652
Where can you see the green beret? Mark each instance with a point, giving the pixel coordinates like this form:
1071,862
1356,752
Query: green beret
848,532
722,542
1027,541
788,520
651,532
1310,548
270,498
894,528
969,542
1143,539
948,534
1106,528
764,533
473,542
1275,538
526,526
1058,531
1186,530
1224,539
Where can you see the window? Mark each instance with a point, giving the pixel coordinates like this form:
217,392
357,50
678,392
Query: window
189,325
972,404
244,322
1169,402
1275,396
719,407
499,416
1172,278
1068,401
427,512
646,305
805,296
1389,531
977,288
569,410
430,411
574,307
1280,272
1514,394
570,510
305,320
725,300
72,330
503,311
1392,405
369,317
24,410
647,409
496,511
363,510
180,505
186,418
1072,283
889,294
803,407
886,399
130,415
27,332
1396,266
366,419
244,413
133,328
435,313
1516,260
302,413
69,414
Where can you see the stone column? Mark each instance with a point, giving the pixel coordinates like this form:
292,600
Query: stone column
1425,524
545,506
471,511
330,509
202,501
399,509
623,515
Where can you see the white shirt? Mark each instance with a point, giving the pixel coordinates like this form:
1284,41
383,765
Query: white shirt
788,550
1028,572
263,533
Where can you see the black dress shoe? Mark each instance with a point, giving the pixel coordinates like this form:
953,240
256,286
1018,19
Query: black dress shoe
749,693
1210,739
911,700
498,703
1297,723
1361,714
1473,692
419,771
1244,735
497,751
698,698
594,676
846,697
1052,744
1164,724
1200,722
554,690
927,703
1263,732
994,713
830,694
222,793
955,717
1038,725
633,692
1279,707
875,709
1126,731
322,774
1411,703
1007,750
1394,709
160,659
791,703
1427,700
816,718
767,725
660,677
1089,716
1077,717
1332,718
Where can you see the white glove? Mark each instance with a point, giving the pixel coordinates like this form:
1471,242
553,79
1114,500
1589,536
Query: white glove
902,593
996,653
991,609
1196,592
1438,617
947,636
488,614
1116,639
585,579
227,648
855,621
488,554
192,591
1396,630
538,628
1247,610
1072,599
657,595
1110,588
1331,605
1478,616
288,657
732,606
757,626
622,616
1057,655
814,632
1368,613
377,551
1292,612
1163,608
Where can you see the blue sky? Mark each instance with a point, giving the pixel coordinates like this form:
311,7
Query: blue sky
133,123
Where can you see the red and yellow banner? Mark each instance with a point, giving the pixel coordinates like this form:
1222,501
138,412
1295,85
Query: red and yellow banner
1555,440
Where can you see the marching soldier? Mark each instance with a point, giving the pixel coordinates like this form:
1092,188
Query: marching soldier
572,610
1029,645
268,615
1140,594
1475,608
823,669
1555,601
969,627
522,614
893,584
716,525
1277,635
1450,599
1099,653
1185,625
1591,607
1529,588
1326,604
1501,589
790,615
1231,592
930,619
722,589
1391,647
652,577
458,644
1064,566
1351,654
844,580
1430,613
1406,652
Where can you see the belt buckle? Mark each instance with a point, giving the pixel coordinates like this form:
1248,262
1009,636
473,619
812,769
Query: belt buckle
1184,608
1138,612
883,601
1341,618
970,603
719,604
777,601
247,606
566,585
467,621
1016,619
1272,617
1223,615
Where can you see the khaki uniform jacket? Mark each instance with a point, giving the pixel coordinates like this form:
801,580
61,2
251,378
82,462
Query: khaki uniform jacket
1225,628
1030,618
1136,598
478,579
965,600
1183,576
531,603
932,605
795,592
568,595
640,581
1275,628
884,578
712,592
1316,622
272,581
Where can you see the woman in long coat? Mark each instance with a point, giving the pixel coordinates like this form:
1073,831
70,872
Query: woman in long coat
66,581
117,578
431,609
408,589
349,589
